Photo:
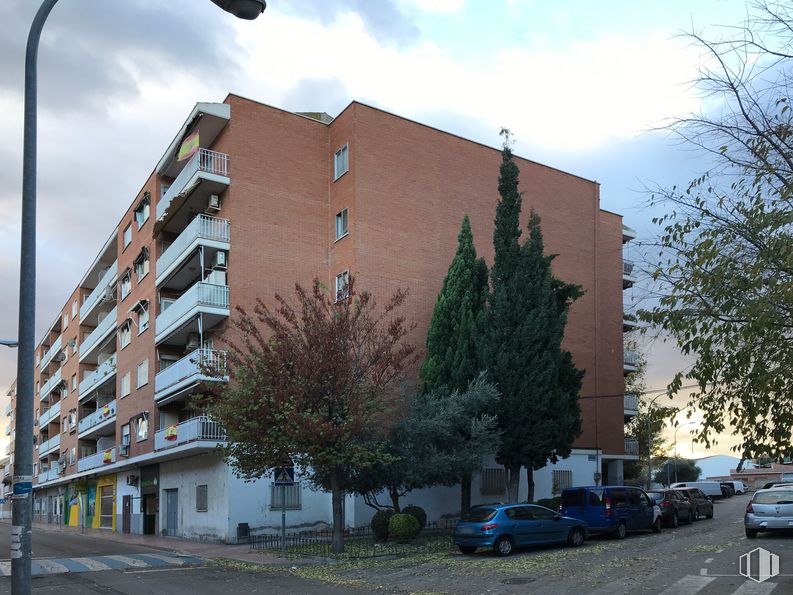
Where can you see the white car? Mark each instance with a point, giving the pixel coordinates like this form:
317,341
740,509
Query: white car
709,488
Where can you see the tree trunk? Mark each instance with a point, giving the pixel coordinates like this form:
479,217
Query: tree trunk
530,483
465,493
394,493
513,482
337,496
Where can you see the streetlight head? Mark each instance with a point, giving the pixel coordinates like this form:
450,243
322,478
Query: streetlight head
243,9
9,342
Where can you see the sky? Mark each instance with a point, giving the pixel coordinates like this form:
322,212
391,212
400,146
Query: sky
583,86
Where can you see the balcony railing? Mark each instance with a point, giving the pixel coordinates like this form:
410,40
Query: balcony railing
49,414
46,446
202,227
103,414
8,430
99,291
104,328
205,160
47,357
631,446
188,370
53,381
95,378
9,409
627,268
99,459
630,403
631,358
192,430
200,294
49,474
7,470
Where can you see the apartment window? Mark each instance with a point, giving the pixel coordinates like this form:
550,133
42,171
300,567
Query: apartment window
142,212
342,286
125,436
341,162
74,309
143,373
561,480
492,481
201,498
72,419
143,317
74,382
126,284
341,224
293,495
142,428
65,424
127,235
125,387
142,264
72,455
65,320
163,189
125,334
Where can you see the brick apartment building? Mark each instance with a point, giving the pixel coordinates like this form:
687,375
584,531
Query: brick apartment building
270,198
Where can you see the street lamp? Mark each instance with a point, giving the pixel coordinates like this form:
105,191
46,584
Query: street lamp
650,440
9,342
23,443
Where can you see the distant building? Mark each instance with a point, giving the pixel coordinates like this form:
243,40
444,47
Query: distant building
720,465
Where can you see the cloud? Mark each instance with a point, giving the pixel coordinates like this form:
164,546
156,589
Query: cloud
439,6
316,95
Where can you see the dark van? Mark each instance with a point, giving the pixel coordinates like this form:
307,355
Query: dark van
612,509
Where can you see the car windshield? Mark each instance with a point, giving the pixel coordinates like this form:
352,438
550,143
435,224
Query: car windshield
656,496
774,497
479,515
573,498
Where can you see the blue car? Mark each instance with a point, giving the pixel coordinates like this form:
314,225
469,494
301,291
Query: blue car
612,509
504,528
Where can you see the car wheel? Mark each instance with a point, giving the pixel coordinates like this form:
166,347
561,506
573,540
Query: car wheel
503,546
621,531
675,521
696,514
576,537
467,549
710,514
751,533
689,517
657,525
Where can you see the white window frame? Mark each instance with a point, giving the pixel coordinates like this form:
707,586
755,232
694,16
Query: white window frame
143,370
126,436
126,285
127,236
142,212
75,384
141,428
125,332
141,265
343,285
126,384
65,320
74,309
143,318
342,223
341,161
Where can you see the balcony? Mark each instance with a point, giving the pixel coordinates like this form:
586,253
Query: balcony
48,446
178,379
50,414
630,404
102,374
632,447
204,230
107,280
48,386
202,298
49,474
50,353
99,459
104,416
198,429
99,334
630,360
7,470
204,165
9,409
629,323
8,430
628,275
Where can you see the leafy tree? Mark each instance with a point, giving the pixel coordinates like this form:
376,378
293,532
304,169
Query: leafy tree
723,261
674,470
451,351
520,342
314,382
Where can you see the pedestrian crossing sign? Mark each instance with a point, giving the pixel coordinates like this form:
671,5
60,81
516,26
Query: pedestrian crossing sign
284,476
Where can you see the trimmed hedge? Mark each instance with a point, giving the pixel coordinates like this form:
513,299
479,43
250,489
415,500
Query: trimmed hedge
552,503
380,522
403,527
418,513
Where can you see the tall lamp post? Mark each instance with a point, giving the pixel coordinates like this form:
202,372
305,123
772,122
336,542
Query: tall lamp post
688,423
22,510
650,440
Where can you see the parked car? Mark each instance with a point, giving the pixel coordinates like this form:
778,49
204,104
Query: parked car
740,487
612,509
701,504
504,528
776,484
727,489
768,510
709,487
675,507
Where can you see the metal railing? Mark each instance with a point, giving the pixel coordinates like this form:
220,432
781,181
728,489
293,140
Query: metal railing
190,366
200,294
8,430
107,325
50,413
98,459
631,446
53,381
48,445
192,430
93,298
627,267
101,415
203,227
50,474
9,409
630,357
630,402
98,376
50,353
7,470
204,160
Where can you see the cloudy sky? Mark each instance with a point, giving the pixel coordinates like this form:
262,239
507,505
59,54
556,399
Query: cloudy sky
581,85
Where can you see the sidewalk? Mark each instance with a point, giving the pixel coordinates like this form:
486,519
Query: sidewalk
201,549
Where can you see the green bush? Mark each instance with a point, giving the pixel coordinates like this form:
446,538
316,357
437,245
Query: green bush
552,503
380,523
403,527
418,513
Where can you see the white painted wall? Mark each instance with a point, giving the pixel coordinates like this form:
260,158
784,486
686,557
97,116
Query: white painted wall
719,465
122,489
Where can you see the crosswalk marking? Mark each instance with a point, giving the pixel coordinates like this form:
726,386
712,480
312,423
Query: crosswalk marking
52,567
129,561
688,585
41,566
753,588
92,564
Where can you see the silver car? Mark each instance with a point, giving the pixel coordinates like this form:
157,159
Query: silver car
769,509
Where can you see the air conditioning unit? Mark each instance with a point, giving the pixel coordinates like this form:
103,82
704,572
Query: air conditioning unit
214,203
220,260
60,357
123,450
216,278
132,480
193,342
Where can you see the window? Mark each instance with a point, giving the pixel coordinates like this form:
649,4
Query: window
292,494
341,224
342,289
492,481
561,480
64,424
540,514
72,419
74,309
142,265
519,513
74,382
201,498
143,373
72,455
127,235
125,388
341,162
126,284
65,320
125,334
143,317
142,428
163,189
142,212
106,509
125,440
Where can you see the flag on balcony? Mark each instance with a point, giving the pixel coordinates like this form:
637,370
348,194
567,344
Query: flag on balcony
189,147
106,411
107,456
170,433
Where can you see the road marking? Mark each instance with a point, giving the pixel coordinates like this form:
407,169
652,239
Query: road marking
167,569
753,588
688,585
92,564
166,559
709,560
703,572
50,567
128,561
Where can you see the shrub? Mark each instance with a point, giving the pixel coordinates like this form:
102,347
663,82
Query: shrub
552,503
380,523
418,513
403,527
